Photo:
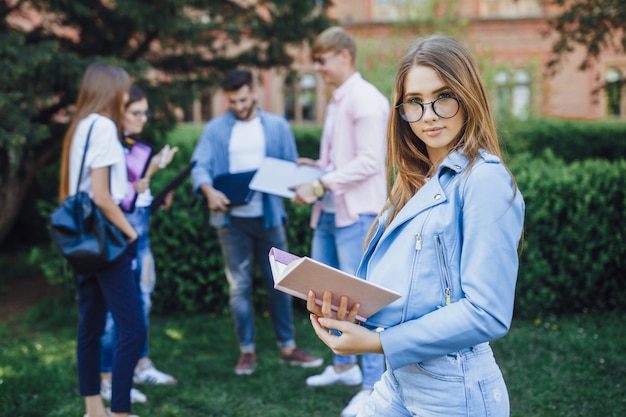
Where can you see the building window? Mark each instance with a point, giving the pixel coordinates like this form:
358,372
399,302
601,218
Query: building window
397,10
511,8
300,98
520,105
513,94
503,94
613,92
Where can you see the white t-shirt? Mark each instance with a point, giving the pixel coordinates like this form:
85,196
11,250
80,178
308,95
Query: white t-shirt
246,151
104,150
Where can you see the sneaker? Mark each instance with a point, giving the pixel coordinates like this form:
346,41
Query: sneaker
246,363
148,374
356,403
300,358
136,396
352,376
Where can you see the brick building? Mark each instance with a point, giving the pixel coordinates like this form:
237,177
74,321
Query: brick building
507,36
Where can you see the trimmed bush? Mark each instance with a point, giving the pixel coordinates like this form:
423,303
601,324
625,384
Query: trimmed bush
573,256
572,260
569,140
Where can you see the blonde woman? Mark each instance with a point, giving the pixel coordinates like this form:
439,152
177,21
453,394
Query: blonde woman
447,240
96,131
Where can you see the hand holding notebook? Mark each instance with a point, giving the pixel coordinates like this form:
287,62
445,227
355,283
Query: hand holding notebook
297,276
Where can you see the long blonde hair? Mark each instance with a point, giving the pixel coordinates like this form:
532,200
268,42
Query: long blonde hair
407,159
102,91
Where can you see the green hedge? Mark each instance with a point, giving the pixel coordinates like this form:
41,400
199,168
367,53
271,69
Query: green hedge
575,248
568,140
572,261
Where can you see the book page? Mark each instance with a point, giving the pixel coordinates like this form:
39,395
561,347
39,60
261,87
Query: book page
281,261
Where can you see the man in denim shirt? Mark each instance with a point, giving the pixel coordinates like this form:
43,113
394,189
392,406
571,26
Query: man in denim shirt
233,143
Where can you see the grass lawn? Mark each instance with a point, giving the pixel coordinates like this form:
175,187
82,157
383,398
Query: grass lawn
561,367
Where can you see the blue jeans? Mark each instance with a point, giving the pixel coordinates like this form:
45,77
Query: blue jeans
342,248
115,288
463,383
143,268
244,241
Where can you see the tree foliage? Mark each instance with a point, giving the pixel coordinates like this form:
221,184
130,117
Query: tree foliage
45,45
596,25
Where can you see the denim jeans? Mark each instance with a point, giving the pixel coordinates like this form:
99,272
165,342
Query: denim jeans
115,288
342,248
244,241
143,268
463,383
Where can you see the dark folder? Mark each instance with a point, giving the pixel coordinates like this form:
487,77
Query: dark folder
159,199
235,187
137,160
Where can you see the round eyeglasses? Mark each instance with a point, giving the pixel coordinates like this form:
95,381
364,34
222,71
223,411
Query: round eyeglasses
445,107
138,114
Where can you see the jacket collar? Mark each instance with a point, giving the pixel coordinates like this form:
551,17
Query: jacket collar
230,116
432,193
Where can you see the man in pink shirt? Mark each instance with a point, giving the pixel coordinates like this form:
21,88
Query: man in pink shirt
347,198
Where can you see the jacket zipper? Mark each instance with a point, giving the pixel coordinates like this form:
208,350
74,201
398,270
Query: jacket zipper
444,271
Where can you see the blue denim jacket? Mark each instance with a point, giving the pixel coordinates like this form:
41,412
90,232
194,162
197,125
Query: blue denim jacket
212,159
452,252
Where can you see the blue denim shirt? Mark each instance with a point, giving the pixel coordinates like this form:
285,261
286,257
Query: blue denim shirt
212,159
452,252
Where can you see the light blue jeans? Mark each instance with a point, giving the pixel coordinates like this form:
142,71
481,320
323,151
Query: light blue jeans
243,242
460,384
342,248
144,272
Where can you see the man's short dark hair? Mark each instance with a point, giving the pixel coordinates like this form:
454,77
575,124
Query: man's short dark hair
236,79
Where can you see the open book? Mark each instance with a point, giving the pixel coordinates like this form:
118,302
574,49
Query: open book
296,275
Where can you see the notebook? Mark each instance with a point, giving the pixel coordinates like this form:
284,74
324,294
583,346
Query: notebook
235,187
137,159
276,176
296,275
159,199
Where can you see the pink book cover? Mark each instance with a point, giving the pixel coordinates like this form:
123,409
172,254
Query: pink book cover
296,275
137,160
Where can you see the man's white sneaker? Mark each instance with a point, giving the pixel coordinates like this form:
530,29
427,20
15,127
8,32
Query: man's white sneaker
356,403
148,374
136,396
351,376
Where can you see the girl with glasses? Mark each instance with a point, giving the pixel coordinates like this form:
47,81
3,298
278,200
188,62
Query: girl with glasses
136,114
447,240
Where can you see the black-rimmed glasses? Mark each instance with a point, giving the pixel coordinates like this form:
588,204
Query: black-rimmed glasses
445,107
138,114
322,60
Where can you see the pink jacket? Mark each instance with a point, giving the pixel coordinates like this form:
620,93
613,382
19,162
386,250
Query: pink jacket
358,137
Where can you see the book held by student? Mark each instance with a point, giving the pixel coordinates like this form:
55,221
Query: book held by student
296,275
275,176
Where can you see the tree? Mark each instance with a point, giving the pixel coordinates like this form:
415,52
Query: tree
45,45
596,25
